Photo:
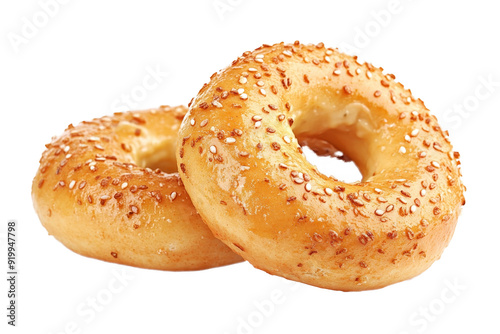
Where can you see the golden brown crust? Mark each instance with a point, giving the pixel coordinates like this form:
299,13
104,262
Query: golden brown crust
91,195
245,172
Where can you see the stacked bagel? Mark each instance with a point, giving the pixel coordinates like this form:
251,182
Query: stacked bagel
110,189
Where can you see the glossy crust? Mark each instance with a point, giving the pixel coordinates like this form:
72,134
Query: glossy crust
94,193
242,165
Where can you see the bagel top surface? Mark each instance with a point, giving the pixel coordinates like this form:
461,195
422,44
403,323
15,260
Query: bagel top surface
109,189
241,161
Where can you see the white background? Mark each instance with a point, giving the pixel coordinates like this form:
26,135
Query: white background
78,64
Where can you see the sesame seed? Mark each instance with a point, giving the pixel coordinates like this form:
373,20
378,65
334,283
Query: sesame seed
124,185
173,195
298,180
337,72
204,122
192,122
413,208
258,124
414,133
368,74
287,53
243,96
378,191
423,192
435,164
286,139
240,91
259,56
68,156
381,199
358,202
389,208
327,59
213,149
251,69
242,80
328,191
260,83
262,91
379,212
407,138
308,187
402,150
216,104
230,140
256,118
422,154
72,184
94,138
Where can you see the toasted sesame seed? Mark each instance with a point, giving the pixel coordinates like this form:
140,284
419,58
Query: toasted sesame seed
72,184
192,122
378,191
287,139
204,122
256,118
262,91
242,80
260,83
368,74
379,212
230,140
414,133
258,124
308,187
381,199
337,72
217,104
287,53
422,154
389,208
435,164
213,149
328,191
124,185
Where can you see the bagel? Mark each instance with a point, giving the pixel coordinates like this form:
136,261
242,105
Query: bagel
241,161
109,189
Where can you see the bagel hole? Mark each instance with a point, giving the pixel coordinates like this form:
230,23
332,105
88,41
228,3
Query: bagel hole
161,157
331,162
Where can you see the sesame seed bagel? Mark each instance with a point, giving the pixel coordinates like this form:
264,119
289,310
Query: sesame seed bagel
109,189
241,161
